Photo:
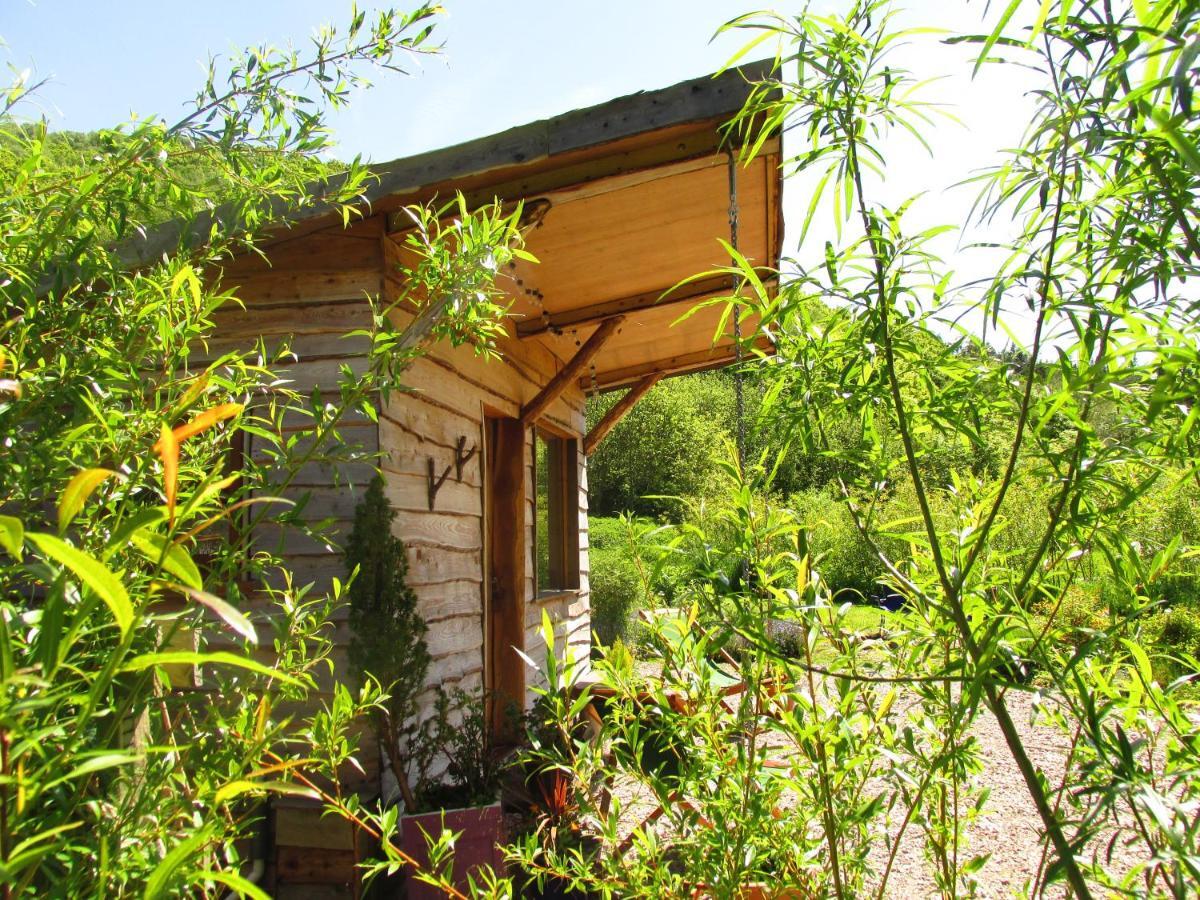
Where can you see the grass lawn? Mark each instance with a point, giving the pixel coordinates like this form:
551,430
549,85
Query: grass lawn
860,618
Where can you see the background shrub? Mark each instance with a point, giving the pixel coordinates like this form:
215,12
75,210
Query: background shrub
616,590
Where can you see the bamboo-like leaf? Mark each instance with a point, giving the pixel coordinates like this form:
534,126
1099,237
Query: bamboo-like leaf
12,535
217,658
1144,669
996,33
203,422
239,885
82,486
227,612
97,763
168,449
1187,150
95,576
6,655
170,556
242,787
163,879
195,389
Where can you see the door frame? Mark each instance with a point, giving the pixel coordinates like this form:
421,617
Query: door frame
503,557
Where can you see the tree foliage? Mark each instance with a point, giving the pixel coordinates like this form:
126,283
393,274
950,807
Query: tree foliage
939,447
148,660
387,644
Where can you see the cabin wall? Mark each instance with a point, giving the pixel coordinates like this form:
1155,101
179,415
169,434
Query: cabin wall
309,295
452,390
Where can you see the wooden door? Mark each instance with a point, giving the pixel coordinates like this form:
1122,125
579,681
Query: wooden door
504,606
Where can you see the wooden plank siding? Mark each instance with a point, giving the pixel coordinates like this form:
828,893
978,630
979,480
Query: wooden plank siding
449,392
309,303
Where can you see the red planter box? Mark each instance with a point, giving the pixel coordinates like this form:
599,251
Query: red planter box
480,833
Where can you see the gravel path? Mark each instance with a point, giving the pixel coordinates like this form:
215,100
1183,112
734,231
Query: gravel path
1007,829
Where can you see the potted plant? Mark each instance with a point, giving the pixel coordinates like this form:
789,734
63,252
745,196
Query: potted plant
388,645
387,640
547,796
466,803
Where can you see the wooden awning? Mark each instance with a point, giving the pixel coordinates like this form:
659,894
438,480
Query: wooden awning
618,249
632,197
632,194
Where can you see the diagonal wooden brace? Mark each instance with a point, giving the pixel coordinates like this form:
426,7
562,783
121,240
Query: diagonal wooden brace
601,429
533,410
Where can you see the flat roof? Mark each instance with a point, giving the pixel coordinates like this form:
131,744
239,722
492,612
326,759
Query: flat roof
573,133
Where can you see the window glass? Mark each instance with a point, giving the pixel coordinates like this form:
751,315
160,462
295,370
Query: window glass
541,523
556,514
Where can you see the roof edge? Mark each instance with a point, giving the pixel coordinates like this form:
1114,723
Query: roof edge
696,100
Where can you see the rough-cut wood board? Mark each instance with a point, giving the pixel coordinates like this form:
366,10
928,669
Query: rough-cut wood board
307,826
455,599
457,635
325,374
324,502
283,347
455,534
408,494
432,565
314,865
509,536
304,286
644,239
344,474
337,317
404,457
292,542
332,247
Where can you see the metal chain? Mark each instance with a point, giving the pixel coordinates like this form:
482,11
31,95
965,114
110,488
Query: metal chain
738,391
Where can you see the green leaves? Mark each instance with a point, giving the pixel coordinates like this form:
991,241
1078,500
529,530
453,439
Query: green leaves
170,556
229,614
77,492
93,574
12,535
216,658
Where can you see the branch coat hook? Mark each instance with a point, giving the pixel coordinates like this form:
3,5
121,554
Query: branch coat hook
435,482
461,459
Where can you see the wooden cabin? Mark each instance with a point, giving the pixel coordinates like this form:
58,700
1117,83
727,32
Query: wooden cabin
634,195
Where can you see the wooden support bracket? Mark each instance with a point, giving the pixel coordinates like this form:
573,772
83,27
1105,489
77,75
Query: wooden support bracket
435,482
601,429
534,409
589,315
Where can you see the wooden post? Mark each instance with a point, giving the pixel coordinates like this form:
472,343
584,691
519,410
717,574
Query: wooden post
601,429
506,610
533,410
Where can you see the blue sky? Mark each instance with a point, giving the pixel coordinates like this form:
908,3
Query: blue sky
506,64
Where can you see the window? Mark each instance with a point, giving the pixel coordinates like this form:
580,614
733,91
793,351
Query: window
556,514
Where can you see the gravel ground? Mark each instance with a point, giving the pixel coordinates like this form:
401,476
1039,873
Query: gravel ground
1007,829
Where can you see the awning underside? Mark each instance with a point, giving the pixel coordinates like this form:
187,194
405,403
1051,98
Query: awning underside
618,251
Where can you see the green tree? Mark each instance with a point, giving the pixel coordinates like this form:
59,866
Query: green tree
387,643
665,447
144,699
986,490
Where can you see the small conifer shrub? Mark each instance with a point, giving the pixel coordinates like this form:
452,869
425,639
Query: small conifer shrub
388,636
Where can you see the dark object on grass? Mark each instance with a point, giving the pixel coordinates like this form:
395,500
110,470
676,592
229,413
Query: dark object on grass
889,600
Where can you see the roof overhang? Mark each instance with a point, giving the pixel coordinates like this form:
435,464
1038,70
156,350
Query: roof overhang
632,198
